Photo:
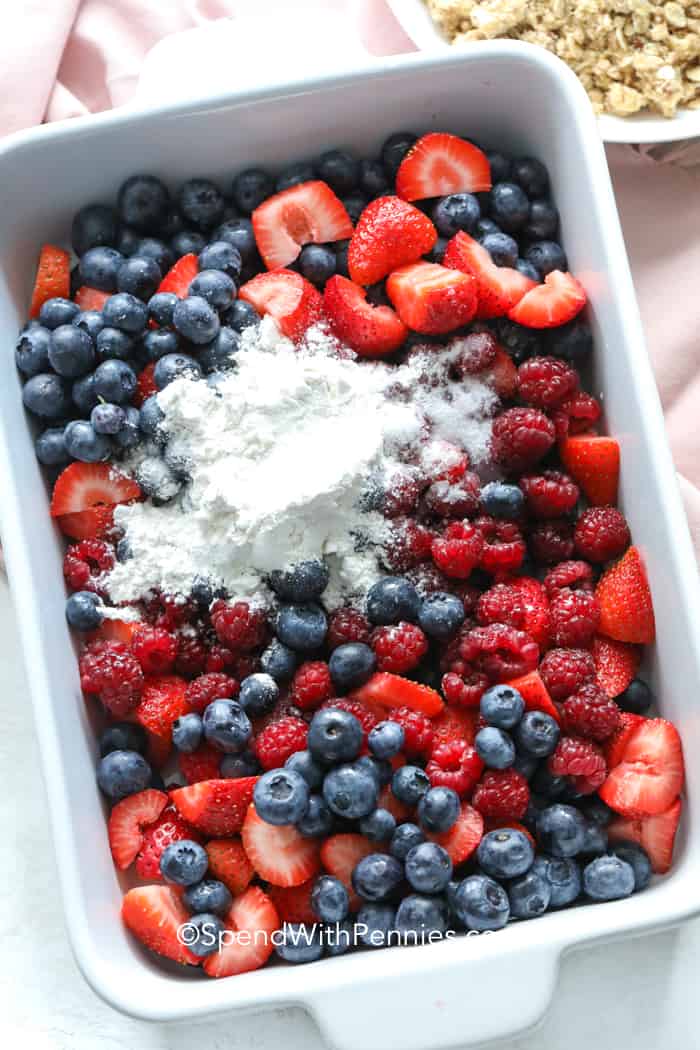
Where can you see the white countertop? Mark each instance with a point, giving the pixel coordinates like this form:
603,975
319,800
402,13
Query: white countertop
639,995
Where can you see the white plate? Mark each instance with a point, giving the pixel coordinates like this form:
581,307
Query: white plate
417,24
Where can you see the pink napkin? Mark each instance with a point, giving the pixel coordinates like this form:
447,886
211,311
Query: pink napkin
70,58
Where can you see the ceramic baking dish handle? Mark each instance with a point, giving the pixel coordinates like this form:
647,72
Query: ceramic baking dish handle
451,1004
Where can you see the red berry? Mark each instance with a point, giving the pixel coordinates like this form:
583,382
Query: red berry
504,547
521,437
238,625
500,651
546,381
458,550
155,649
455,765
401,492
442,460
465,689
111,672
472,353
581,760
219,658
427,579
582,411
457,500
563,671
169,610
347,625
191,658
418,731
201,764
502,795
575,618
590,713
311,685
549,494
521,603
85,563
277,741
162,703
408,545
601,534
399,648
571,575
208,687
169,828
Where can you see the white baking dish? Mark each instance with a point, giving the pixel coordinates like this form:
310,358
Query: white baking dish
470,988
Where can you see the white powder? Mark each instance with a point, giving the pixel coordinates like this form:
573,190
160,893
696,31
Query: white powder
281,455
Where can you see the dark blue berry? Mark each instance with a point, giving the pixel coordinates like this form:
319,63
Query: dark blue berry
71,351
546,256
376,876
595,810
93,225
299,943
636,698
404,839
529,896
351,665
99,267
107,418
440,615
259,694
638,859
83,611
301,626
317,263
126,312
114,345
139,277
339,169
485,227
57,312
375,925
502,706
235,766
329,899
175,366
196,320
279,661
215,286
338,937
543,221
143,202
459,211
531,174
201,202
250,188
151,415
220,256
525,765
437,252
187,242
161,307
392,599
494,747
505,853
157,480
372,178
595,839
123,736
502,248
50,447
304,582
537,734
563,876
90,321
608,878
184,863
226,726
386,739
241,315
378,826
156,251
509,206
171,224
158,342
115,381
32,350
499,164
128,240
281,796
421,919
334,736
303,763
481,904
83,394
341,258
294,175
551,787
561,830
409,784
354,205
210,896
121,773
239,233
517,340
187,734
350,791
527,269
381,769
84,443
318,821
438,809
395,149
428,867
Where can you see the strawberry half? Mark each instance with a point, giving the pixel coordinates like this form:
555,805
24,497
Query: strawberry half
280,855
145,384
168,828
95,523
655,834
371,331
87,486
180,276
649,775
309,213
534,693
52,277
498,288
626,609
391,690
127,821
464,835
287,297
551,304
594,463
432,299
255,917
90,298
114,631
614,747
389,233
293,903
215,807
154,914
616,664
439,164
340,854
162,702
229,863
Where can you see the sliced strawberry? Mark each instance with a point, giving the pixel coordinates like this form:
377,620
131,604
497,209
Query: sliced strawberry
616,664
293,903
614,746
534,693
145,384
287,297
154,914
309,213
255,917
626,609
464,835
388,800
498,288
229,863
52,277
215,807
340,854
88,298
95,523
391,690
180,276
167,829
127,821
432,299
502,375
162,702
649,775
371,331
594,463
82,486
114,630
455,724
200,764
279,854
551,304
389,233
655,834
440,164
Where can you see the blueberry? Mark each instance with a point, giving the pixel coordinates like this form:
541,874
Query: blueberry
235,766
395,149
376,876
297,943
502,706
160,341
113,345
83,394
57,312
294,175
107,419
93,225
595,839
338,937
171,224
531,174
187,734
440,615
84,443
241,315
636,698
437,252
259,694
392,599
187,242
543,221
485,227
608,878
378,826
527,269
222,257
90,321
32,350
161,307
546,256
99,268
372,178
155,251
204,932
143,202
519,342
354,204
157,480
250,188
138,276
280,796
334,736
509,206
595,810
459,211
121,773
499,164
563,876
409,784
210,896
638,859
303,582
502,248
537,734
196,320
50,447
341,258
301,626
83,611
404,839
239,233
151,415
279,661
201,203
573,342
329,899
529,896
421,919
318,821
175,366
214,286
317,263
438,809
226,726
339,169
561,830
381,769
350,791
494,747
123,550
375,925
351,665
71,351
525,765
548,785
126,312
127,241
386,739
505,853
115,381
184,862
303,763
428,867
481,904
123,736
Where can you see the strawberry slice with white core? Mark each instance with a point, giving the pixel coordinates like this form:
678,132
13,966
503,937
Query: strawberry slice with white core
371,331
253,917
439,164
649,775
309,213
287,297
654,834
340,855
551,304
498,288
128,820
83,486
432,299
154,914
464,836
279,854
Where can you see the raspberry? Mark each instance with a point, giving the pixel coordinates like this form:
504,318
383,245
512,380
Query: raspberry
169,828
546,381
450,657
455,765
601,534
458,550
472,353
277,741
311,685
218,659
237,625
201,764
113,674
208,687
417,728
457,500
500,651
443,461
244,664
575,616
521,437
364,716
571,575
347,625
552,541
502,795
549,494
408,545
563,671
580,760
464,690
504,547
399,648
589,712
170,611
85,562
155,649
521,604
191,659
427,579
401,493
582,412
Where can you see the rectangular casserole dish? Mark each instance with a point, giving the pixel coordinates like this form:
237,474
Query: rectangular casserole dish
522,99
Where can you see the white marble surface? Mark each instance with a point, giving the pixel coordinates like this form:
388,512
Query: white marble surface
634,996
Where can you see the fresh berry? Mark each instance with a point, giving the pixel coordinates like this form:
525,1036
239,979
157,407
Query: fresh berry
522,604
458,550
545,382
228,861
371,331
155,649
340,855
581,760
128,821
473,353
389,233
84,563
146,385
454,765
459,499
551,304
277,741
367,714
279,855
500,651
550,494
109,671
551,541
191,656
347,625
564,671
432,299
650,774
616,664
390,690
212,686
498,288
572,575
215,807
200,764
521,437
454,724
287,297
238,625
311,685
293,903
614,747
655,834
398,648
162,702
84,487
502,375
536,734
154,914
440,164
601,534
281,796
178,279
255,918
581,412
626,610
504,547
417,728
52,279
501,794
408,545
308,213
608,878
464,689
594,462
575,618
505,853
163,832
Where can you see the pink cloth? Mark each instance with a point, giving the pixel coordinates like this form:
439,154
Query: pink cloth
73,57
